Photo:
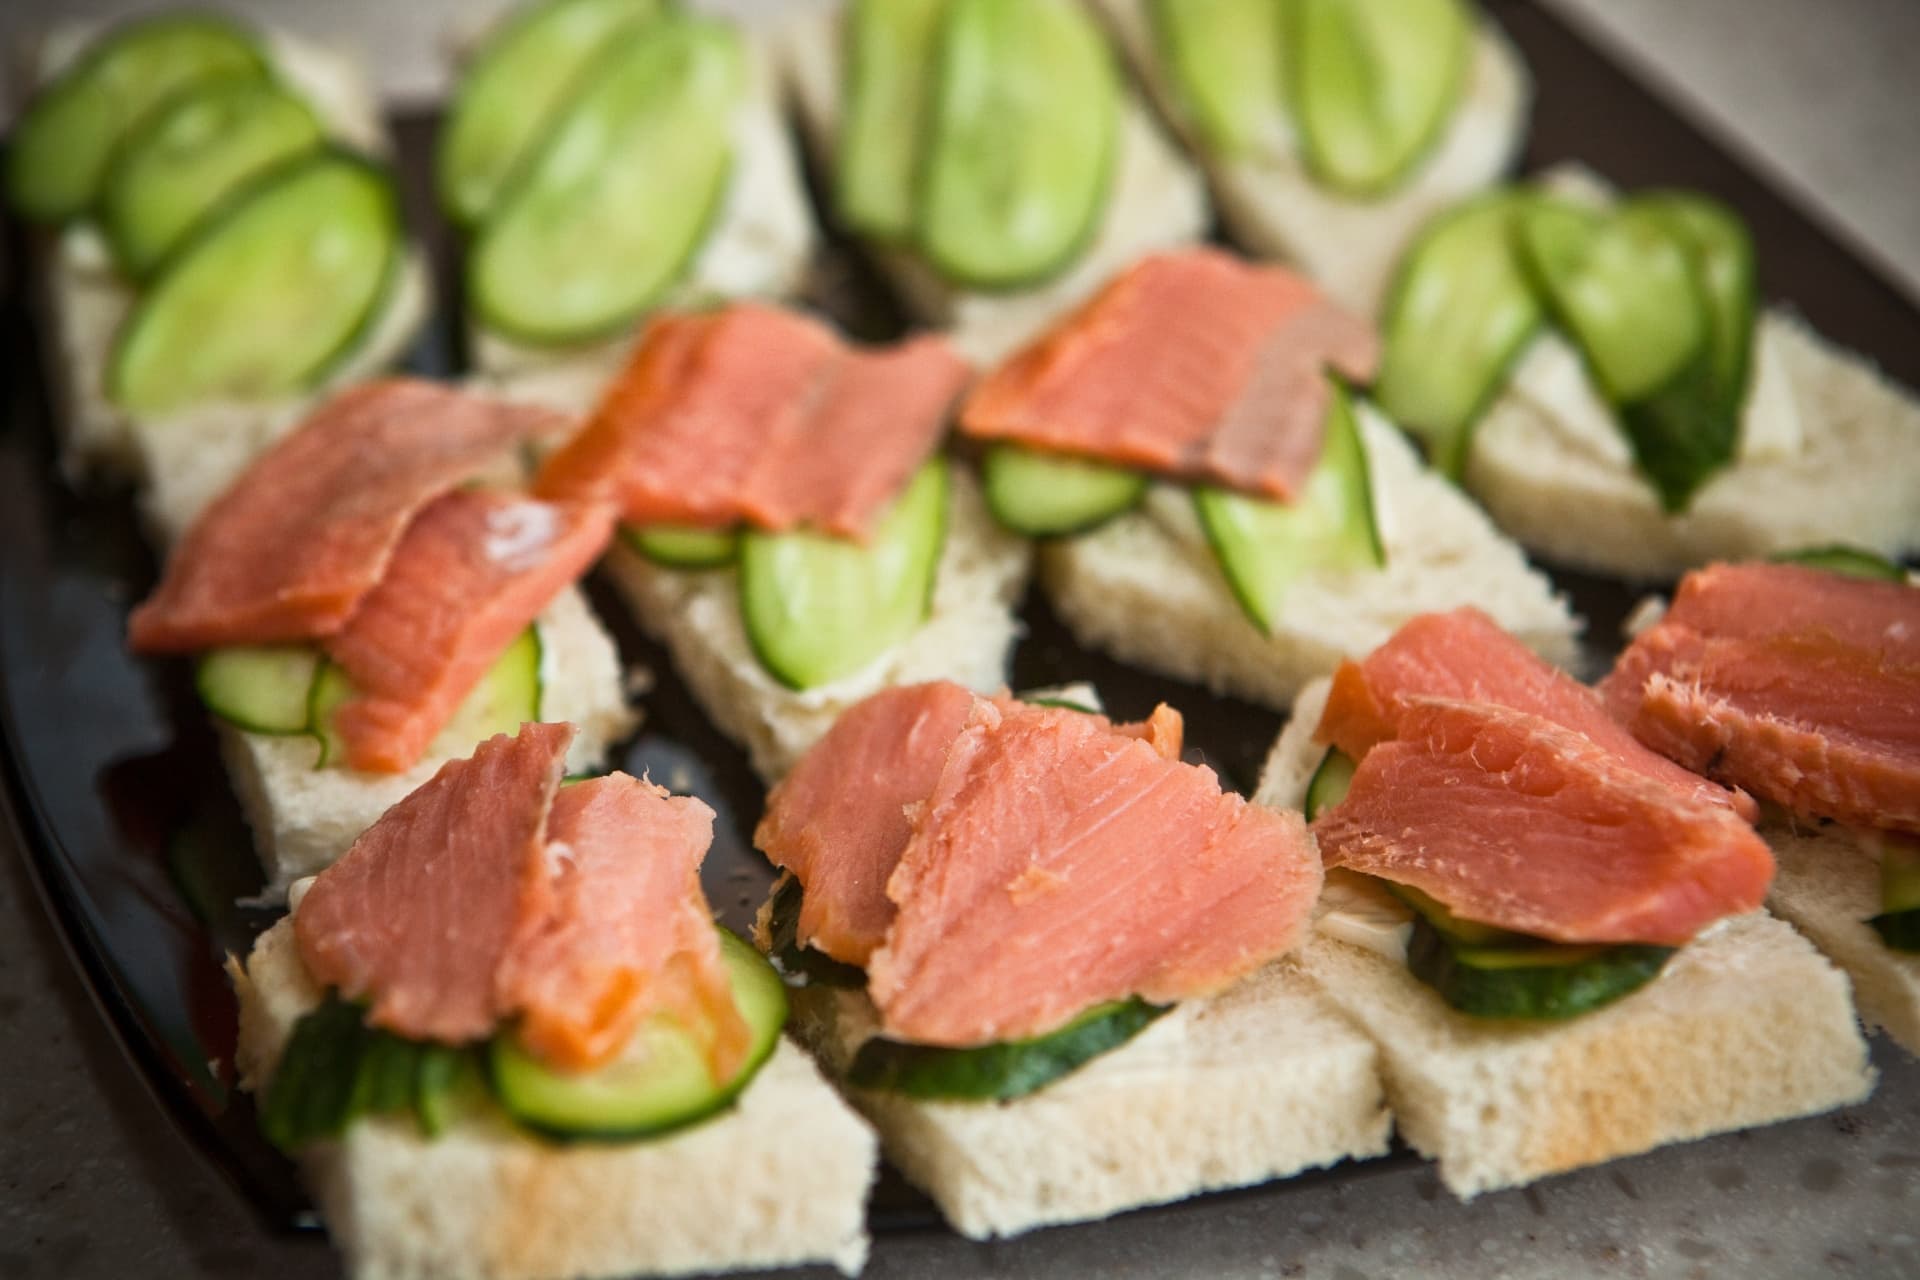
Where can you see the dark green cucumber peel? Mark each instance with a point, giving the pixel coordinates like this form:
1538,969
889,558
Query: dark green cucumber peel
683,547
1224,61
1020,140
1328,786
61,150
1543,982
1042,495
783,944
1854,562
1898,923
888,44
1000,1072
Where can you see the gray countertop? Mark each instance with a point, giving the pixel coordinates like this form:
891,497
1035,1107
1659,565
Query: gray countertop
94,1180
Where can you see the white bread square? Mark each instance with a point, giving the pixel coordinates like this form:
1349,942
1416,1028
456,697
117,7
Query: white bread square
1272,206
1746,1025
1261,1082
780,1179
966,638
304,818
759,246
1157,201
1147,587
84,300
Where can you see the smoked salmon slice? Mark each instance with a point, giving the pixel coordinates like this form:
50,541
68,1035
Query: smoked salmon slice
1514,820
1191,364
492,893
758,415
1032,862
289,550
471,573
1799,685
1464,655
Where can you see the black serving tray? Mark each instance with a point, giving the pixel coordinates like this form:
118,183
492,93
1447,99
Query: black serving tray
116,795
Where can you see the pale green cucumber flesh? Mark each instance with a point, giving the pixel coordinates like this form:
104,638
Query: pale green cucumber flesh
1020,141
1541,982
189,156
259,688
508,696
889,44
606,214
1225,62
511,93
1328,786
1468,933
660,1083
1003,1071
1855,562
817,608
1459,313
1043,495
1263,547
1373,84
1899,873
59,154
683,546
267,295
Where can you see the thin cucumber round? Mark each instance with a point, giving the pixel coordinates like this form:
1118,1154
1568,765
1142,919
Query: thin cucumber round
268,295
1264,547
1225,61
1468,933
1543,982
1725,261
59,154
261,689
1373,85
189,155
509,695
1042,495
682,546
818,608
520,78
1328,786
1855,562
606,214
1460,311
660,1084
889,44
1899,874
998,1072
1021,135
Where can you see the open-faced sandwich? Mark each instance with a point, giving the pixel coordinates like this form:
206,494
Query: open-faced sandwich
370,598
1601,373
1033,945
223,236
1800,683
990,155
1331,130
1222,504
1553,934
790,527
606,157
506,1041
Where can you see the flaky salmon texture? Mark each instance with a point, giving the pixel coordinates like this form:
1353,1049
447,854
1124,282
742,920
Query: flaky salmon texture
492,894
1800,685
998,867
1500,787
354,532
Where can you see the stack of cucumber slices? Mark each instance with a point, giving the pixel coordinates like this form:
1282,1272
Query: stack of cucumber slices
259,251
587,154
980,133
1657,293
1362,88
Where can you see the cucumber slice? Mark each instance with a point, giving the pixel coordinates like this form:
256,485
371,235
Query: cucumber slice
1855,562
1899,874
336,1069
1373,84
684,547
1263,547
1540,982
1623,287
1020,141
889,45
817,968
660,1083
1224,59
519,79
268,295
447,1083
1469,933
259,688
998,1072
59,154
818,608
1328,786
1724,253
1460,311
189,155
1044,495
606,214
508,696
